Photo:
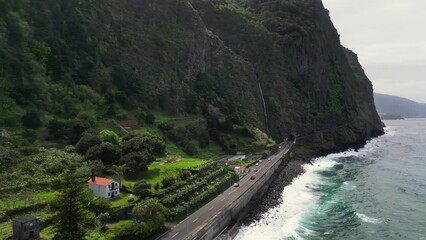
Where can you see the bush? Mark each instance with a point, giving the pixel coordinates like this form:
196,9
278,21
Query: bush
142,189
123,230
157,186
100,205
184,175
168,181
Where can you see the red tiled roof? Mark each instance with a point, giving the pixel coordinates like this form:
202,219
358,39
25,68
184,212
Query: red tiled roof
100,181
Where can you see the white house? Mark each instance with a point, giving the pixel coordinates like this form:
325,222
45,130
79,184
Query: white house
104,187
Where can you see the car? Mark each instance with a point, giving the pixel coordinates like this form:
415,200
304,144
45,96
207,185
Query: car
255,170
260,161
257,164
252,178
269,159
236,184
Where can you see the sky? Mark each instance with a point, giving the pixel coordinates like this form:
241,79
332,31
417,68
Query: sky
389,37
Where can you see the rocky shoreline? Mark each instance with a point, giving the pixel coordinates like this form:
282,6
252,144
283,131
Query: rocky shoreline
272,196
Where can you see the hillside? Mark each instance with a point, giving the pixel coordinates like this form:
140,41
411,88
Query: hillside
152,93
399,106
76,60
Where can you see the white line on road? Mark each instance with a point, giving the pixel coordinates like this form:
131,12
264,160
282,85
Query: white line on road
211,208
195,220
175,235
222,199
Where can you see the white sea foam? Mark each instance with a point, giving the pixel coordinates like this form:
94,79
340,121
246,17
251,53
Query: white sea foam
368,219
298,198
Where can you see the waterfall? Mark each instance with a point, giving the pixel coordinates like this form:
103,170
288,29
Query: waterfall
264,108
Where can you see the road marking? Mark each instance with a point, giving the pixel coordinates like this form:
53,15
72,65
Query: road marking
222,199
175,235
195,220
211,208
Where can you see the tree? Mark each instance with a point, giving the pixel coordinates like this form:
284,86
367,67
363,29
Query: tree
119,171
86,142
109,153
137,161
110,136
142,189
72,215
143,141
31,119
149,214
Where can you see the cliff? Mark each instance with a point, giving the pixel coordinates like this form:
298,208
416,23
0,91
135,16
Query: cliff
275,65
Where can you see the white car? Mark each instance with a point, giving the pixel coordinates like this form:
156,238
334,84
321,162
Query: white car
236,184
257,164
260,161
255,170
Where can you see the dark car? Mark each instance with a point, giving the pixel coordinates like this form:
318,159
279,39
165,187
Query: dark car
252,178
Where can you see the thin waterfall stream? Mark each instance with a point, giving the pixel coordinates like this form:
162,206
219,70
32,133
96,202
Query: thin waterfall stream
264,108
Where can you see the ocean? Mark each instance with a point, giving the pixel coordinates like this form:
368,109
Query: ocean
376,193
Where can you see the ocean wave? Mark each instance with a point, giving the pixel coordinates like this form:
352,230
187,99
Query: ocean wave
283,221
368,219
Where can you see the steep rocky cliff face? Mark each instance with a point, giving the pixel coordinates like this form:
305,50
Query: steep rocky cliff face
213,58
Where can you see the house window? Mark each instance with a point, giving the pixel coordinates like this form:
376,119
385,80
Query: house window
109,194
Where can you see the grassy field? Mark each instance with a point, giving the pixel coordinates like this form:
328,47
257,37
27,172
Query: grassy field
121,201
158,170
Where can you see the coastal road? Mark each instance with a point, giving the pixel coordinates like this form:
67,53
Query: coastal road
188,227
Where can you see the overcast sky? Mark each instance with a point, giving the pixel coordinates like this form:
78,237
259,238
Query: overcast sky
389,37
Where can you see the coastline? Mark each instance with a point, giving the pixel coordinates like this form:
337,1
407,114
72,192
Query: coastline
291,170
272,196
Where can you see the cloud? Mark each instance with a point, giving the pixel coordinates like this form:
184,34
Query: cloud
390,40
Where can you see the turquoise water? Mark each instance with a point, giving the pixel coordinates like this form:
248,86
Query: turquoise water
378,192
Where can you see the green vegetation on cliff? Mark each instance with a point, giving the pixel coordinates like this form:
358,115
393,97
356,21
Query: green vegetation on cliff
149,91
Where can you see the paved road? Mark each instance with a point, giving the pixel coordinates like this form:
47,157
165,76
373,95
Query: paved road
187,228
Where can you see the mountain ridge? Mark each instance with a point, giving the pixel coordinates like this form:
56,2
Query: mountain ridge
395,105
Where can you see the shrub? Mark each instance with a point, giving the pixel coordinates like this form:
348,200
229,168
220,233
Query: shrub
142,189
168,181
99,205
123,230
185,174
